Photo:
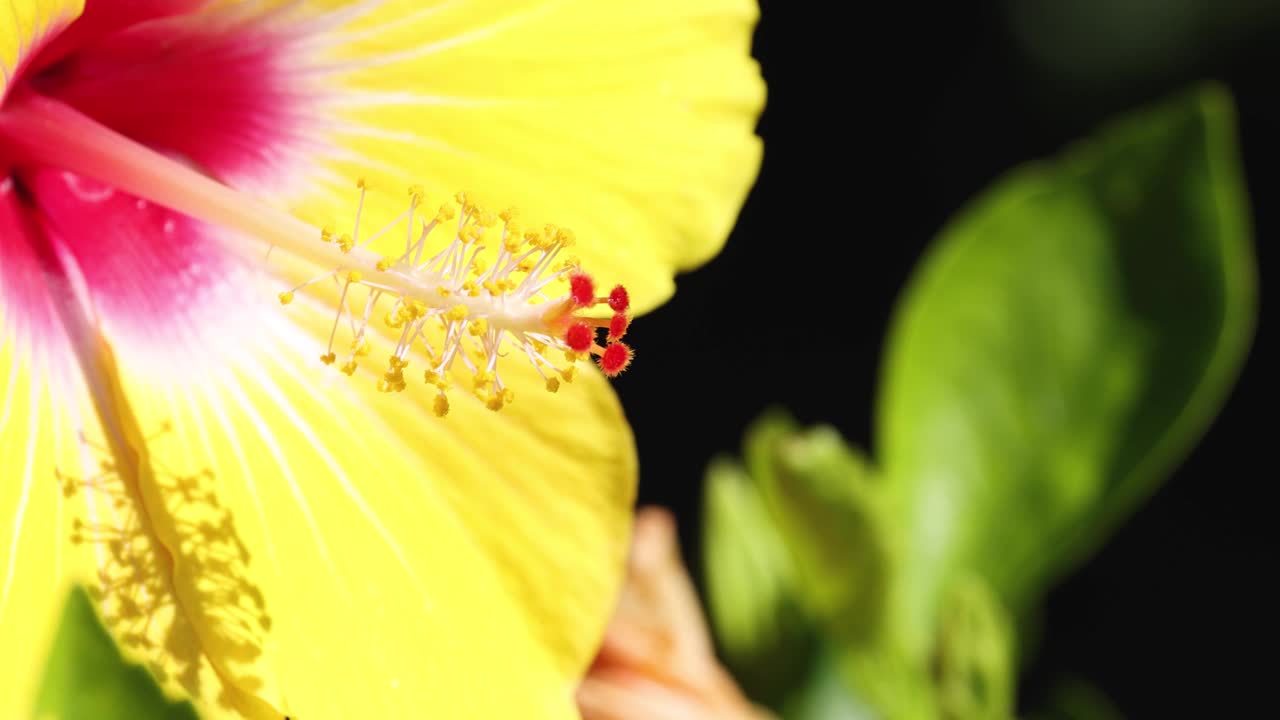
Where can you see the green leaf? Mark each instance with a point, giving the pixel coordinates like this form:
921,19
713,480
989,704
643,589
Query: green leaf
824,695
1074,698
798,534
822,495
1067,340
973,659
968,673
86,677
766,638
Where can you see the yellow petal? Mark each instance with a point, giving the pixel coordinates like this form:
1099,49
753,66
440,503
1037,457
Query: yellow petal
629,121
461,568
477,551
36,560
271,539
24,24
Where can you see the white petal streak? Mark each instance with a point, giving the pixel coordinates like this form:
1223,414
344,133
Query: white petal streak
300,423
267,435
212,401
439,46
383,98
59,537
8,392
297,342
353,37
363,161
334,19
408,138
90,463
28,475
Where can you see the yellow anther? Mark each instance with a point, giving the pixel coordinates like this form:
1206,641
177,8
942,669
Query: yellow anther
393,379
390,383
469,291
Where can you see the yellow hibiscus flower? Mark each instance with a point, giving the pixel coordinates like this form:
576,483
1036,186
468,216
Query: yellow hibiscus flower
273,538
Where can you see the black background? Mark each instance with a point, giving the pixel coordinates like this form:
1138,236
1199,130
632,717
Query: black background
881,122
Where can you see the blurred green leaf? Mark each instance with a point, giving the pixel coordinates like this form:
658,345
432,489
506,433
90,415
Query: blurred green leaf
87,678
896,686
821,495
973,659
1076,699
824,695
1066,341
764,635
968,674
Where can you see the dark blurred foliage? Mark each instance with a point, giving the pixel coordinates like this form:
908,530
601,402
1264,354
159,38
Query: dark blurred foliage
883,119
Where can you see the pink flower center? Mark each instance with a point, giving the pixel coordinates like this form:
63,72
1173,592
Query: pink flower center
215,90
